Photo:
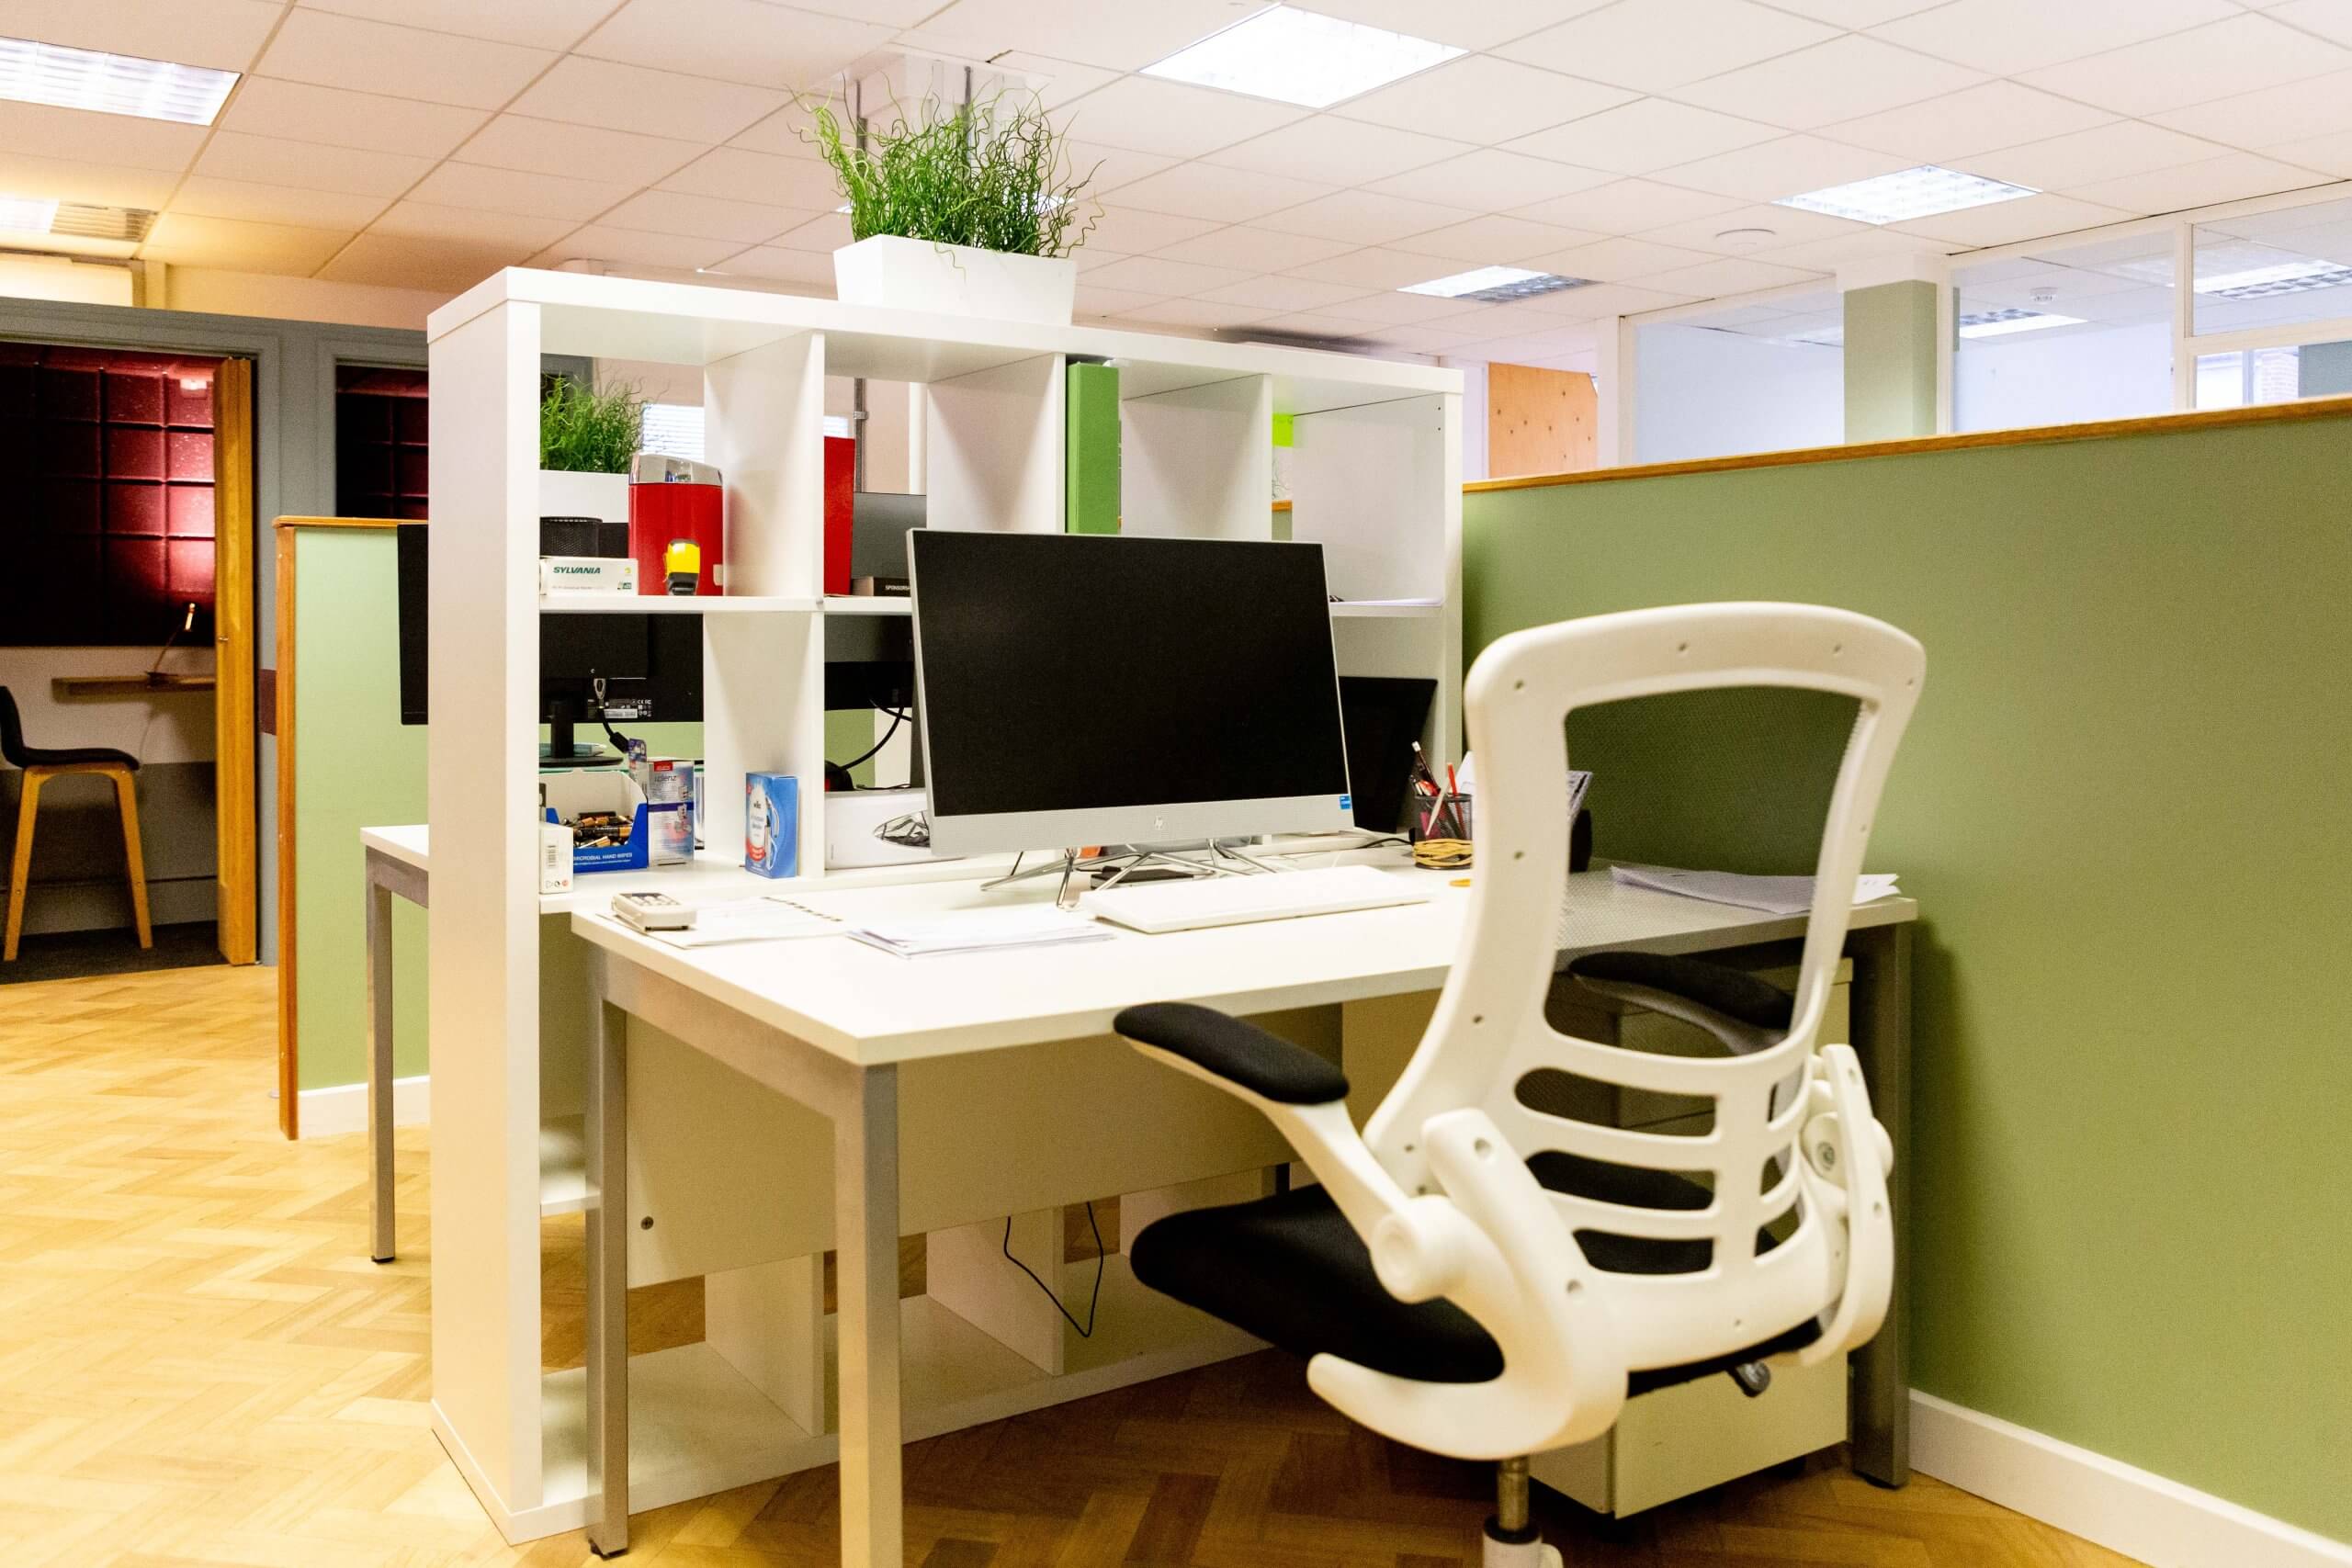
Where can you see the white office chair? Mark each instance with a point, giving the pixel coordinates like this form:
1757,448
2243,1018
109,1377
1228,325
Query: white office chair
1487,1279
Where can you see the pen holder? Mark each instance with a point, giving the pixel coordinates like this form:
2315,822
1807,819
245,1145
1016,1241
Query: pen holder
1453,821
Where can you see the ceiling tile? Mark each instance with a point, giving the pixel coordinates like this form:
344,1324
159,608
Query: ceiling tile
1171,119
1198,313
69,179
1752,230
185,240
1491,178
222,34
734,40
1312,324
828,233
202,195
736,173
1093,302
2004,223
1243,246
2296,112
544,147
1494,240
118,139
463,226
1791,167
1627,206
400,261
1155,274
1621,299
2005,36
652,103
1417,340
783,265
1105,169
1055,81
1130,231
1855,13
1124,38
2106,153
1652,45
264,106
635,247
1607,261
1479,98
2331,19
1731,274
704,217
512,191
542,24
1276,293
1862,242
2332,153
1393,306
272,161
1972,121
1549,314
2232,177
1648,134
2218,60
1378,269
1364,216
1335,152
408,62
1482,26
1844,79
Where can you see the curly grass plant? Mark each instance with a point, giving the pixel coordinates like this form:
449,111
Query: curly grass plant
587,432
991,174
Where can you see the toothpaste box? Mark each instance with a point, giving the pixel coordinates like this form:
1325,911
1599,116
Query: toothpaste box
771,824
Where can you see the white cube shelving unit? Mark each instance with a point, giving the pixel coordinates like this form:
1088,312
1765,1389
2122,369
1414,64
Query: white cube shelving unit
1376,478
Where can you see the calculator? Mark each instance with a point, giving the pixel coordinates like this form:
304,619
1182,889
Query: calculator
652,912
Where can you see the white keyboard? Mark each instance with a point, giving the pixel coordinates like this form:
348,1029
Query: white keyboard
1159,906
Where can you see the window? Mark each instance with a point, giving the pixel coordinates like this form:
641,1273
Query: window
2065,335
1757,377
2275,269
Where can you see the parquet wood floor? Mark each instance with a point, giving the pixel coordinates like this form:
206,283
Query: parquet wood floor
200,1366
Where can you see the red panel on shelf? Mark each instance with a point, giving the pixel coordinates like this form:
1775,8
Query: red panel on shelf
134,396
134,506
841,499
134,452
189,407
190,562
190,454
187,511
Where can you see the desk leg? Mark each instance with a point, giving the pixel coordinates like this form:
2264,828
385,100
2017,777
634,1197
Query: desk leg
380,1246
607,1138
1881,1410
865,1231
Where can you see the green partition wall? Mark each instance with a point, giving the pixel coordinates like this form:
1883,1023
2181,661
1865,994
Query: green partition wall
2122,809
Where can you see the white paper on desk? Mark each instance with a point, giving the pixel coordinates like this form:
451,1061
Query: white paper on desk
751,920
1774,895
980,931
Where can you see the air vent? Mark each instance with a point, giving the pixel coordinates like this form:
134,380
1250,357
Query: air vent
85,222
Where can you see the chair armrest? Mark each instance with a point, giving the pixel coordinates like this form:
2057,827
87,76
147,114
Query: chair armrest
1746,1014
1241,1052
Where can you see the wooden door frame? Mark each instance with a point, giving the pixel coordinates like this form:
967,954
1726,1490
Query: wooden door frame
234,802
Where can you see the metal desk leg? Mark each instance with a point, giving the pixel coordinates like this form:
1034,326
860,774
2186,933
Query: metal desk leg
380,1067
1881,1410
607,1138
865,1231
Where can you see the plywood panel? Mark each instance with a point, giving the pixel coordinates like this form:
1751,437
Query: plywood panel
1540,422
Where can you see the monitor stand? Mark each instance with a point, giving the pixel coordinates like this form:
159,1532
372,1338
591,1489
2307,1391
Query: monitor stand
1133,858
562,746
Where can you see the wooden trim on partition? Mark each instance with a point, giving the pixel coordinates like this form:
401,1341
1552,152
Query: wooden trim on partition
2159,425
1282,506
340,521
235,808
290,1078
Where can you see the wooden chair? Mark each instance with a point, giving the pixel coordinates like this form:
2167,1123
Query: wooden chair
41,765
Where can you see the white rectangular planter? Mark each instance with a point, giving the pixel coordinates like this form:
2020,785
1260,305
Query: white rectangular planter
956,280
584,495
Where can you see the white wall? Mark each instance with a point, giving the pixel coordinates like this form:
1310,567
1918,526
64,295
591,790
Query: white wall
288,299
1704,393
2028,378
61,278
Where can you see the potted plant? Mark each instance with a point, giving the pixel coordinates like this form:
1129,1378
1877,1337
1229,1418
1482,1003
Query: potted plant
967,211
586,439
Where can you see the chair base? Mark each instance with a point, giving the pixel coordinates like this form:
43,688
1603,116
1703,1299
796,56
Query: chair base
1507,1550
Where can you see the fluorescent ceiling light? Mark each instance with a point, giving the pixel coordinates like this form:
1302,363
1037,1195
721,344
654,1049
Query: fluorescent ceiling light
2285,277
26,214
1495,285
34,73
1299,57
1906,194
2000,323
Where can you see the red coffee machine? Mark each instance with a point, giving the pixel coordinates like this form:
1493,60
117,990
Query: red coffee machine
675,502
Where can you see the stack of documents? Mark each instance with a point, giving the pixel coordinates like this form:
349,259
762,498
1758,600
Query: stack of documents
1774,895
764,918
980,931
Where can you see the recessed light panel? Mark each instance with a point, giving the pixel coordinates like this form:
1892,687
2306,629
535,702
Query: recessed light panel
1495,285
2285,277
2001,323
26,214
33,72
1300,57
1907,195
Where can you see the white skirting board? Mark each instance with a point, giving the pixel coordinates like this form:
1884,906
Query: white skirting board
2143,1516
343,1107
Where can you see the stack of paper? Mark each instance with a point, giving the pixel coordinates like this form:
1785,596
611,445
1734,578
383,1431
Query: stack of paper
980,931
764,918
1774,895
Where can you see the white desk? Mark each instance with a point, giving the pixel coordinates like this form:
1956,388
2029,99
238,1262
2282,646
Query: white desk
398,863
829,1021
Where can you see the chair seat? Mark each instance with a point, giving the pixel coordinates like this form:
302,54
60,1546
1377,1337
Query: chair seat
1293,1271
74,756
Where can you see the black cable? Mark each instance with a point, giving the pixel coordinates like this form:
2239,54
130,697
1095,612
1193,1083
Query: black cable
898,717
1085,1330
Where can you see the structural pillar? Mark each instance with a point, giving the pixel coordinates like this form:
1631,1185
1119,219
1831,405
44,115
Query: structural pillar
1894,319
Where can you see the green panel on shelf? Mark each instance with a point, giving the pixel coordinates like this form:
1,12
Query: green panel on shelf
1092,449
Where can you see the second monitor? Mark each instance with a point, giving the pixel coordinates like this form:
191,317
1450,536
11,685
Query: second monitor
1079,690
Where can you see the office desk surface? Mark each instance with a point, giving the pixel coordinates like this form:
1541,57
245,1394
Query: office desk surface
871,1007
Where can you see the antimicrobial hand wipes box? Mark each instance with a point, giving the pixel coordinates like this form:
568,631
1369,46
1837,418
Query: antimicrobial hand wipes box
771,824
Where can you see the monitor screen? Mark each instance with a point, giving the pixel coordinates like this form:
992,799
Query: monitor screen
1081,689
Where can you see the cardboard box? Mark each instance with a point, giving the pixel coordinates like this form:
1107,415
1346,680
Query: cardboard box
771,824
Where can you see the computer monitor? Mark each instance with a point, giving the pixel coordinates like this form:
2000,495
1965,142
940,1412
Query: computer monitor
1077,690
1384,716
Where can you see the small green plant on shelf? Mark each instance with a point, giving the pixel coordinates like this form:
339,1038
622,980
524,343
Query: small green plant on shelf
993,174
586,432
